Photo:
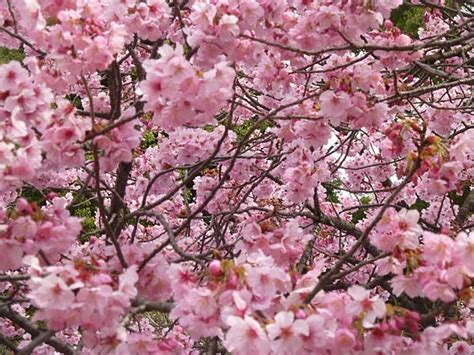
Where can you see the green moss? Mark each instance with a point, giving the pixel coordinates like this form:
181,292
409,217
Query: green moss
85,209
188,195
331,191
88,226
358,216
89,156
32,194
134,73
187,191
7,55
459,199
75,101
209,128
146,223
150,139
408,18
242,129
51,21
4,350
419,205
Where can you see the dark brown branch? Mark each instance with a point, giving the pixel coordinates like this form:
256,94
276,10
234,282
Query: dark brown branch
114,81
466,209
13,278
25,324
37,341
5,341
365,235
162,307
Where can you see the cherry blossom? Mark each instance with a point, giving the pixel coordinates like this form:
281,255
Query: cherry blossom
246,335
370,308
241,176
287,333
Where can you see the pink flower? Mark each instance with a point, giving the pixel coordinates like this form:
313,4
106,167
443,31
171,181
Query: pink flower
464,248
454,276
345,340
435,290
410,229
461,347
300,183
127,282
12,75
180,94
409,285
287,333
389,265
12,252
228,28
204,302
198,312
335,106
246,336
51,292
370,308
437,247
328,16
183,278
264,279
99,310
315,134
138,344
215,268
322,330
155,282
375,115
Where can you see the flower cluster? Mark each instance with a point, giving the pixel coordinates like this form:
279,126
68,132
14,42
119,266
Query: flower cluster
443,268
243,176
29,229
179,94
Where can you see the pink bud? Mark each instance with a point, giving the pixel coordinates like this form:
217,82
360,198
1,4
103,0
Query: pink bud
444,230
300,314
233,281
393,325
23,206
51,195
388,24
215,268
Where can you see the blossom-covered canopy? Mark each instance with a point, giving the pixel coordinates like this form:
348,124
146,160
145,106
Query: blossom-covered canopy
236,176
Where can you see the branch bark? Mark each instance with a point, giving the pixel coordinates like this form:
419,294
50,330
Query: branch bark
466,209
26,324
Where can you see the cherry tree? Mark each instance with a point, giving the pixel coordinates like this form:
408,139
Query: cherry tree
236,176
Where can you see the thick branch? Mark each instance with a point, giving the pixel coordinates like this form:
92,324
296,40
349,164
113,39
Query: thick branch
466,209
24,323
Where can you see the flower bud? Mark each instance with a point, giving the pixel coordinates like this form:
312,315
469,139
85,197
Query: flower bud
388,25
215,268
300,314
